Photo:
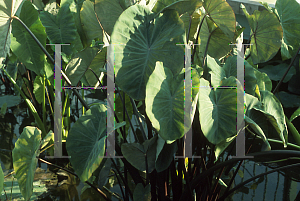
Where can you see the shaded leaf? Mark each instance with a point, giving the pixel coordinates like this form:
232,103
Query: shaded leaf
108,12
91,25
164,154
142,193
288,100
86,141
276,72
136,154
10,100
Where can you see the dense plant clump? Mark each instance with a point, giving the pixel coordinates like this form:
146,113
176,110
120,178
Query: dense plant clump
171,150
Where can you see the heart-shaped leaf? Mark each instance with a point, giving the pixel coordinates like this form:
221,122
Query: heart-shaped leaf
86,141
266,35
136,154
25,159
221,13
218,110
165,103
8,9
140,42
61,28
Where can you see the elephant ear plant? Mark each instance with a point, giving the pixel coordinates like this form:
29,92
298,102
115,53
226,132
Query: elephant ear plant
149,41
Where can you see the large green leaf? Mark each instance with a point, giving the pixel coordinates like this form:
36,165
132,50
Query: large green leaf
272,109
1,179
8,9
77,68
218,110
136,154
289,14
86,142
22,43
266,35
25,159
91,24
181,6
165,103
221,13
61,28
140,42
108,11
